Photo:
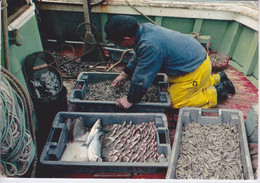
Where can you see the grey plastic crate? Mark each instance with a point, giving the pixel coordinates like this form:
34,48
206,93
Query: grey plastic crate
210,116
57,140
85,78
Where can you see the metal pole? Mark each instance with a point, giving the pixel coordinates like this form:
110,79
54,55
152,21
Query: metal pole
5,34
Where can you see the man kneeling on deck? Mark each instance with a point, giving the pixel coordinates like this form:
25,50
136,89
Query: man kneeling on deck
180,56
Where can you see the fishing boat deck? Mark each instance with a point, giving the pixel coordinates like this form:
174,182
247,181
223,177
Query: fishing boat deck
230,28
246,96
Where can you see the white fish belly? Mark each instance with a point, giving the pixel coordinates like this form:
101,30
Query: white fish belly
75,152
94,150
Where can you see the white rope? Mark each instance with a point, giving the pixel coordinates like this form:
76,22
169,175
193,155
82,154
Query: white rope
16,142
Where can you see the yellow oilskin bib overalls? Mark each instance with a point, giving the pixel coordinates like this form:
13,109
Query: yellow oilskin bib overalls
194,89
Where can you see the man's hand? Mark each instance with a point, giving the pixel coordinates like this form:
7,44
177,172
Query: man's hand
120,80
123,103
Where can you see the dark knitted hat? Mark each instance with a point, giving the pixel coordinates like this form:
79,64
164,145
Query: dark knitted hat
120,26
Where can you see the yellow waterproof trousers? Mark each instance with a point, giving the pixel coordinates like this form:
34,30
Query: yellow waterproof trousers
194,89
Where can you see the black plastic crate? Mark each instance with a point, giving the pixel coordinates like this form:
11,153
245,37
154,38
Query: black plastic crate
58,136
78,95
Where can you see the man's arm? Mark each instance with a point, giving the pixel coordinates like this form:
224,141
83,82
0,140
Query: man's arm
149,63
130,67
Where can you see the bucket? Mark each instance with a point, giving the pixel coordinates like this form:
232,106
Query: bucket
46,90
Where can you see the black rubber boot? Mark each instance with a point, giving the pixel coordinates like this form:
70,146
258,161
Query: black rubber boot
223,77
221,92
228,85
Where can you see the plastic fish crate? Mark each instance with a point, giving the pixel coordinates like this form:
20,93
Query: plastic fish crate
56,144
85,78
211,116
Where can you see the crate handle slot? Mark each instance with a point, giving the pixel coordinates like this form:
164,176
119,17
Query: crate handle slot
163,137
54,135
210,112
79,85
163,86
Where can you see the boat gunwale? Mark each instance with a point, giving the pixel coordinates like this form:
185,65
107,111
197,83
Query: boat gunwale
241,13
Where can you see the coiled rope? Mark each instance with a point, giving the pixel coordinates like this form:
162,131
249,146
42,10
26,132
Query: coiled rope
17,142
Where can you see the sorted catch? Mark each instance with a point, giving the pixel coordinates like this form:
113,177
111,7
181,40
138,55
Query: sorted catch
84,145
95,129
75,152
77,134
130,143
94,148
93,142
209,152
112,143
77,130
104,91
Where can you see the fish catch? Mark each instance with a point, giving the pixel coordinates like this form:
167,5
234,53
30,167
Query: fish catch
104,91
95,128
93,142
83,145
209,152
94,148
77,134
75,152
77,129
125,142
130,143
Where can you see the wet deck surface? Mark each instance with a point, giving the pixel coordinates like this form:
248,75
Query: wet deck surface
246,93
246,96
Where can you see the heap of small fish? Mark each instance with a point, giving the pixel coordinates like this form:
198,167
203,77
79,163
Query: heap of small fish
209,152
83,145
104,91
218,61
69,66
47,85
111,143
130,143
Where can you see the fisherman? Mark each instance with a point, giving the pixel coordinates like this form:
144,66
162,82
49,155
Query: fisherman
181,57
